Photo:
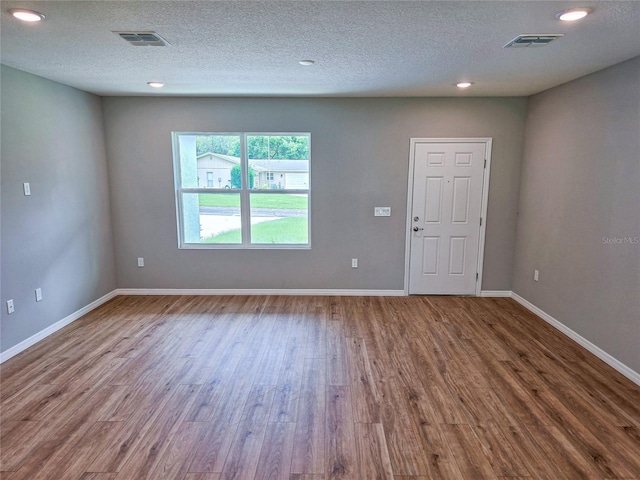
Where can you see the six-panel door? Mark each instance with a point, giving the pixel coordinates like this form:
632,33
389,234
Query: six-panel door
446,210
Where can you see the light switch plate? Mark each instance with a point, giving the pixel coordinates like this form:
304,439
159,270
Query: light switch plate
27,188
382,211
10,308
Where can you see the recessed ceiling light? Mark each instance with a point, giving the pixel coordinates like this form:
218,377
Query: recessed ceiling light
464,84
306,63
26,15
155,84
573,14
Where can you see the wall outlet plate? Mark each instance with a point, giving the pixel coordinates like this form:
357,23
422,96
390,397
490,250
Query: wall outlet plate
140,262
354,263
382,211
27,188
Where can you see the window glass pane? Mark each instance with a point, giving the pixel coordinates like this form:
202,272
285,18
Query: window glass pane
278,162
279,218
225,182
210,161
211,218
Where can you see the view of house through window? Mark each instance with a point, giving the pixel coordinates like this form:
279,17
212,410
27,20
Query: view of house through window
242,190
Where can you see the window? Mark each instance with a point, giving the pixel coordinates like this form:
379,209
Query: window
256,193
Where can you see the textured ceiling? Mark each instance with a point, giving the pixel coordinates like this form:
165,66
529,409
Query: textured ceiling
361,48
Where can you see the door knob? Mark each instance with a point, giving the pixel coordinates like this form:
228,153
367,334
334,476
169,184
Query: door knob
417,229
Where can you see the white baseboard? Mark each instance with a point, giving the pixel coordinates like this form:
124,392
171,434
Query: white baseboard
495,293
258,291
597,351
42,334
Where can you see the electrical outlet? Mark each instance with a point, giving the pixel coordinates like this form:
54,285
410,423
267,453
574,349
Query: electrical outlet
382,211
140,262
38,294
27,188
10,308
354,263
535,275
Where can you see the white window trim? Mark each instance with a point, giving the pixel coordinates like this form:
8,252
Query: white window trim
245,214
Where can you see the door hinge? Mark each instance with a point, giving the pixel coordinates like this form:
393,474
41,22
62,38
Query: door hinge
480,221
485,163
476,276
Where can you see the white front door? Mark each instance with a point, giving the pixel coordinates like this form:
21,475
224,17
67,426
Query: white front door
445,218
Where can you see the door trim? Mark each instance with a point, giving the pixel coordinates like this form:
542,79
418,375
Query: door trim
483,210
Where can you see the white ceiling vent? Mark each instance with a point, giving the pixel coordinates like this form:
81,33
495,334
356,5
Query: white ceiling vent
143,39
533,40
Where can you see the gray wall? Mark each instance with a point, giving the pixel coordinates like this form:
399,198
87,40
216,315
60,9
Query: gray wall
360,151
580,196
59,238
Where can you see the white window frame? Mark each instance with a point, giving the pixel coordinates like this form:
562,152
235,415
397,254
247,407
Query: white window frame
244,192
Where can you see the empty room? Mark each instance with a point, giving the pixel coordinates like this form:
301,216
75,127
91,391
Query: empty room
309,240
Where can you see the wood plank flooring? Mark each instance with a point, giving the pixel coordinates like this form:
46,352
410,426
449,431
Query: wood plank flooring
314,388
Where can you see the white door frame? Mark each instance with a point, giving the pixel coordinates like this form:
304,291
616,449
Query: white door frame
483,212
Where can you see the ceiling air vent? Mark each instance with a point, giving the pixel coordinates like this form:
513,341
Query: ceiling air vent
143,39
533,40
